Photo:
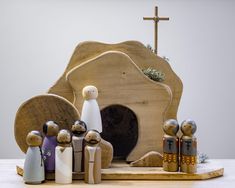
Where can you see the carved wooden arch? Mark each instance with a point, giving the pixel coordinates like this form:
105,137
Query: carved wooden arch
142,57
120,81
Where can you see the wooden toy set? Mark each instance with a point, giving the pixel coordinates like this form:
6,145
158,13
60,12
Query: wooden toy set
128,98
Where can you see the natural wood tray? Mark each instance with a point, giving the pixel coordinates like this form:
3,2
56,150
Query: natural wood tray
122,171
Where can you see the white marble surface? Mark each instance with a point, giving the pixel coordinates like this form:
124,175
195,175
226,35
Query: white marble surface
10,179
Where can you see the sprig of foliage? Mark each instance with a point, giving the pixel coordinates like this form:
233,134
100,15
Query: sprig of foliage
148,46
154,74
202,157
166,58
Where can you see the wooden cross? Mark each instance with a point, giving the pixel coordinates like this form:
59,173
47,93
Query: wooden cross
156,19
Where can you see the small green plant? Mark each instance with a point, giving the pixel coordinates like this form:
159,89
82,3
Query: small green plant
154,74
202,157
166,58
150,48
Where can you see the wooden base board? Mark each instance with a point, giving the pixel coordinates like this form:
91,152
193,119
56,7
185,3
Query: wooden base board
122,171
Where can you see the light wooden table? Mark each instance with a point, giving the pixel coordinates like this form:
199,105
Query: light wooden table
9,179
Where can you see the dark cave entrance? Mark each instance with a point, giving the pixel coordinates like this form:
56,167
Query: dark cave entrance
120,128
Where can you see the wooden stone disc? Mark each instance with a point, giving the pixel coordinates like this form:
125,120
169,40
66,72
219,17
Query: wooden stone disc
33,113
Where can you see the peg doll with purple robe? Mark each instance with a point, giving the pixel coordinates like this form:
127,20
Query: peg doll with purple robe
50,130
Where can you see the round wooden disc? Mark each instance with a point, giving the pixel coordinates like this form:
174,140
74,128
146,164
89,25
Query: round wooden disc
33,113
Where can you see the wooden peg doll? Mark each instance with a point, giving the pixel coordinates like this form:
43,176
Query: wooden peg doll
92,160
78,130
50,130
63,158
33,165
188,147
170,146
90,109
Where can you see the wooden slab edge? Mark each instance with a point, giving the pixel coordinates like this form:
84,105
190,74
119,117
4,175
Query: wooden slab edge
161,176
156,173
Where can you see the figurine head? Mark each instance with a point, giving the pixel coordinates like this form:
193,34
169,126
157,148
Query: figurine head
92,137
171,127
90,92
50,128
79,127
188,127
34,139
64,137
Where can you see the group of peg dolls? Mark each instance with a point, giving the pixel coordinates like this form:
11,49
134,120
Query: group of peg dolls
179,154
77,150
66,151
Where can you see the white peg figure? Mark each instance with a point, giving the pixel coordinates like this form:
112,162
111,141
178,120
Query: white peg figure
34,165
63,158
90,109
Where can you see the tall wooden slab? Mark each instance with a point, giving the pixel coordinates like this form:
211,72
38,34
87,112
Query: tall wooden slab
33,113
142,57
120,81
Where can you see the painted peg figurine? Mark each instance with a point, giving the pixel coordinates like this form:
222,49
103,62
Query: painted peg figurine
90,109
78,130
50,130
63,158
92,160
34,165
170,146
188,147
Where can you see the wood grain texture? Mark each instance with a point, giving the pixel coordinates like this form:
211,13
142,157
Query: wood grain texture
33,113
19,170
122,171
95,176
150,159
149,100
106,153
156,19
141,56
